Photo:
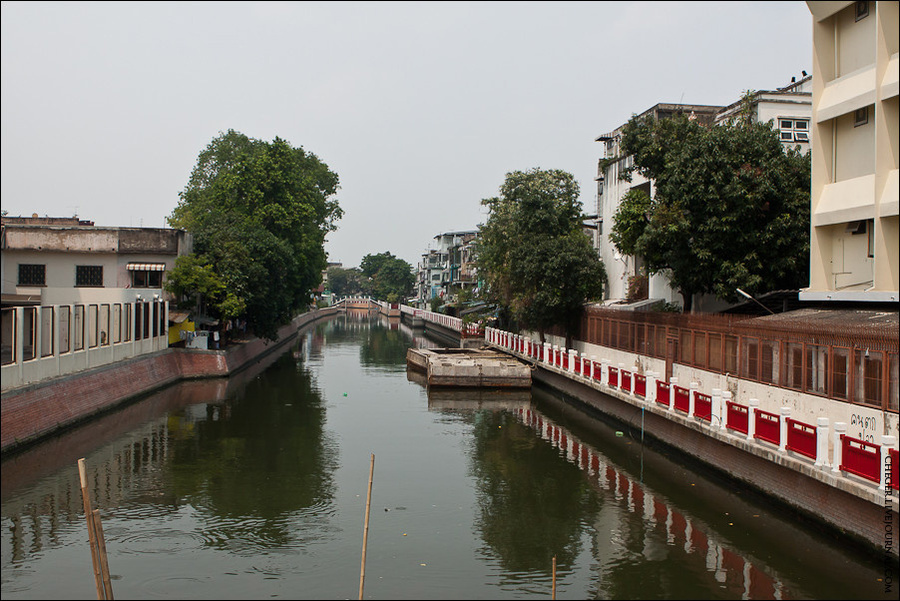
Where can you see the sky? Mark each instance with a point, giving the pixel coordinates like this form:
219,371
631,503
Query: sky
420,108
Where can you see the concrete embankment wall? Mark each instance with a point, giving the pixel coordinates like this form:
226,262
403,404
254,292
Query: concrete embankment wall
851,514
37,411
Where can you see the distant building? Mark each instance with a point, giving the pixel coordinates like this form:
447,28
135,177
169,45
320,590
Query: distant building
854,250
448,267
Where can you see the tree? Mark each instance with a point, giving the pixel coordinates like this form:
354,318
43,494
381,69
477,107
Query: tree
259,213
392,278
348,282
537,262
731,208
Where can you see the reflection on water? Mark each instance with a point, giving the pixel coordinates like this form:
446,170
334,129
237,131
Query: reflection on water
255,486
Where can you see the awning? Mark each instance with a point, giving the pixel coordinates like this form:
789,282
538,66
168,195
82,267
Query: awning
146,267
178,316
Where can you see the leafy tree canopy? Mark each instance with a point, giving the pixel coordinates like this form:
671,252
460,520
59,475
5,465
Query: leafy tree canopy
537,262
348,282
731,208
259,213
392,279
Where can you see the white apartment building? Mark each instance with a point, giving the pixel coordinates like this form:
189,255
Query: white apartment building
854,251
789,109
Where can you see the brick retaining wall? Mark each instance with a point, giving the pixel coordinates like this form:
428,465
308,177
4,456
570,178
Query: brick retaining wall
36,411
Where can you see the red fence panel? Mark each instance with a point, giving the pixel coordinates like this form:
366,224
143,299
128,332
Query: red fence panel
662,393
598,373
614,377
625,376
861,458
737,417
703,406
682,399
640,385
767,427
801,438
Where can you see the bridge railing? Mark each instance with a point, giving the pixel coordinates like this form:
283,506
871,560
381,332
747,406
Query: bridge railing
467,330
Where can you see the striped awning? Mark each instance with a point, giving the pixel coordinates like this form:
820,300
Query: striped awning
146,267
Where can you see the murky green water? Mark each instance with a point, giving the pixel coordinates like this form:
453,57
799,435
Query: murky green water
256,487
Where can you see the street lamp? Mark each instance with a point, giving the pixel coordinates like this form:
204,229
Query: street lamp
745,295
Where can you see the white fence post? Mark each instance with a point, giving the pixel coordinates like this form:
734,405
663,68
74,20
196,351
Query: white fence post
822,442
692,398
783,433
726,398
751,418
839,429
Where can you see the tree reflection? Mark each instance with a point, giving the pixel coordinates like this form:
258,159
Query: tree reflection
383,346
533,503
260,456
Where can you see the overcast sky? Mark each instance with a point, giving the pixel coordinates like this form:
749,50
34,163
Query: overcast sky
420,108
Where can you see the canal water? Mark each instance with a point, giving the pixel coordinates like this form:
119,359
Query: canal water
257,486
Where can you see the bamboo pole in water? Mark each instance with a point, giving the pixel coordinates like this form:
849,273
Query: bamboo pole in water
553,595
104,563
92,535
362,569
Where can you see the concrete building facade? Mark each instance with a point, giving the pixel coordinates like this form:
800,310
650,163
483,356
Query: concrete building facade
854,246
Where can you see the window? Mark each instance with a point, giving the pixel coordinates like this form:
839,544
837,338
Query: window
861,117
793,130
862,10
32,275
146,279
89,275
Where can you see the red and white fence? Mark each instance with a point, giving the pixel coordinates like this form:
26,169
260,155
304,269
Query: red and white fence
866,460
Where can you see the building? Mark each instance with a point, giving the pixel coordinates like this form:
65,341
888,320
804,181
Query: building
789,109
855,193
76,296
622,271
448,267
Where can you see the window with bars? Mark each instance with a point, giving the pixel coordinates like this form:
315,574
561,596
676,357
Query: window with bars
32,275
89,275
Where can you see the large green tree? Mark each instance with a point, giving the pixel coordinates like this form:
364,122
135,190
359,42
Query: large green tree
392,278
537,261
730,209
348,282
259,213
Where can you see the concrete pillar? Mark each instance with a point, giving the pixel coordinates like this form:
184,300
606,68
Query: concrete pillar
783,425
591,368
839,429
573,354
888,469
604,371
751,418
822,442
673,381
716,401
692,398
726,398
651,386
546,357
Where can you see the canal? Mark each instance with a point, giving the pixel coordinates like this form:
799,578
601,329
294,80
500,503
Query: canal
256,486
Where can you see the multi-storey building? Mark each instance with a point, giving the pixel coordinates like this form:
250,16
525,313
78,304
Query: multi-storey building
787,108
855,192
76,295
621,270
448,267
